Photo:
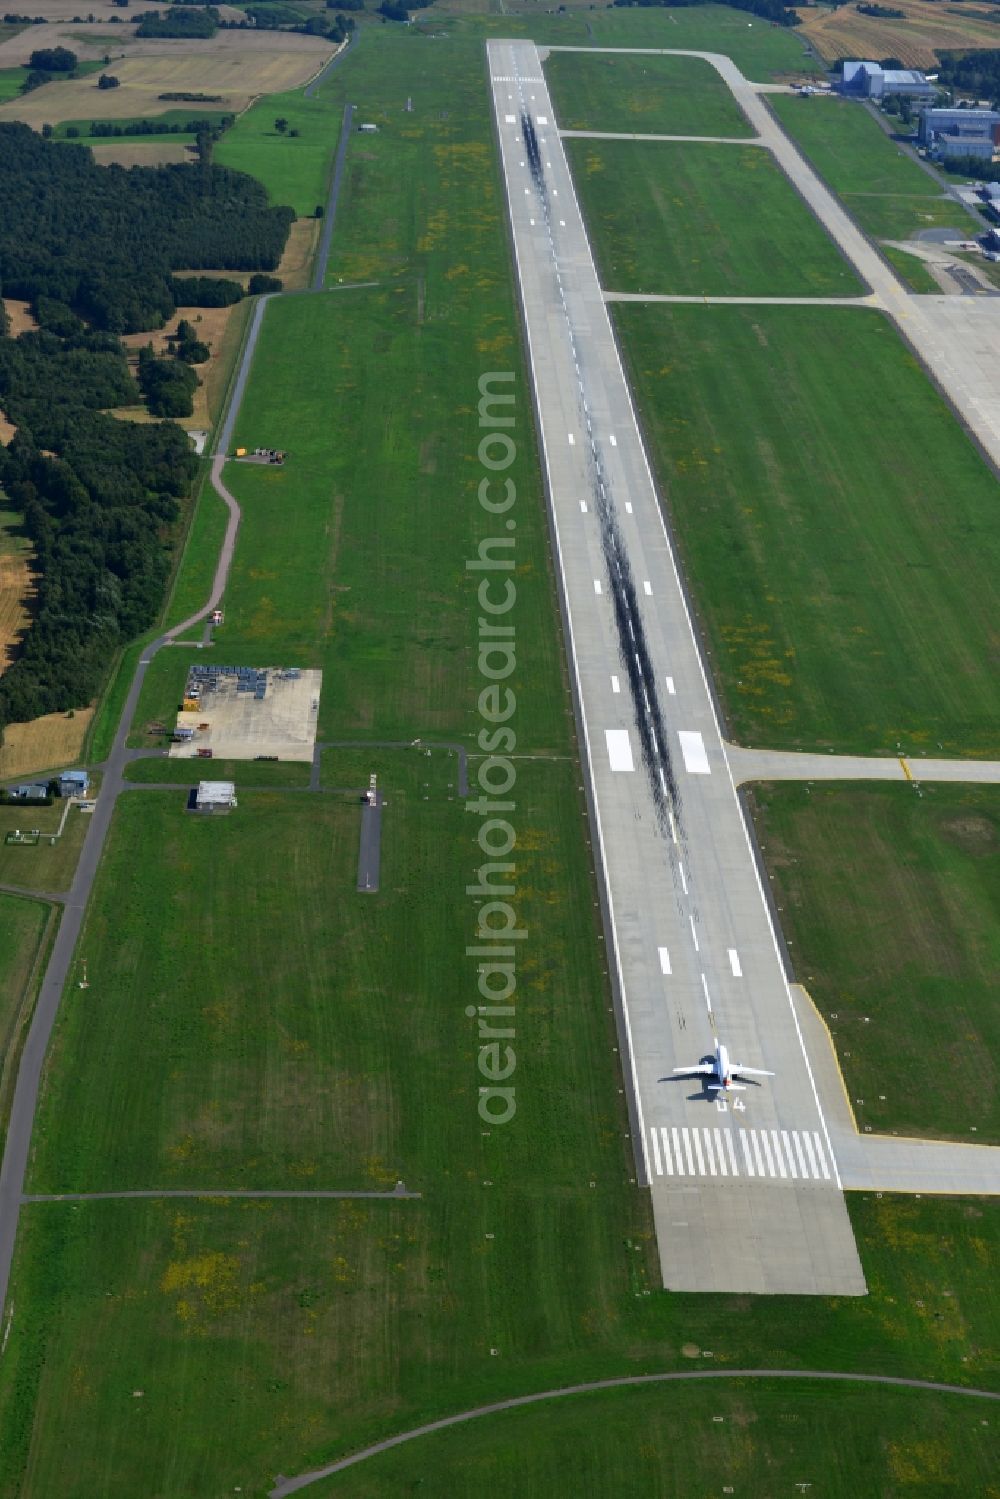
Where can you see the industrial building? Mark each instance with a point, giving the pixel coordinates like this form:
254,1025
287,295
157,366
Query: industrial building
215,796
869,80
74,783
960,132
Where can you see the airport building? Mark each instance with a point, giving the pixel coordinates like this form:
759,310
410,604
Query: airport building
869,80
215,796
960,132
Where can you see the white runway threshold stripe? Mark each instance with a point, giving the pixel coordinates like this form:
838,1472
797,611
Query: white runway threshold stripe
619,749
694,752
699,1151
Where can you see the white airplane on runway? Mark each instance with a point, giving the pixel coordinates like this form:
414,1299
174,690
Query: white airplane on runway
724,1071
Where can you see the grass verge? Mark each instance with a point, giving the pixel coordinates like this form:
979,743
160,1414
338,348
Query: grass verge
835,521
887,192
642,95
673,219
891,901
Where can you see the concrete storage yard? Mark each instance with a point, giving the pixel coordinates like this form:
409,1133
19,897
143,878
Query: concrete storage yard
243,726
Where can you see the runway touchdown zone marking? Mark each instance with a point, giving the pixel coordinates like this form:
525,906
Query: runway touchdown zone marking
619,749
780,1155
694,752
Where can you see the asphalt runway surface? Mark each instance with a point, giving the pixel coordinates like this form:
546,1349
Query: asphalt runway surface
745,1190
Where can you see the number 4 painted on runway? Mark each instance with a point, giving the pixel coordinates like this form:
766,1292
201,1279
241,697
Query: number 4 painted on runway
739,1107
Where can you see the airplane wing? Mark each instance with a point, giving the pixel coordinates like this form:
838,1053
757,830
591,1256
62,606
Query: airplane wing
705,1069
750,1071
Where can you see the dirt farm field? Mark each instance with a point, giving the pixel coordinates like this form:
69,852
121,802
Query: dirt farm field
845,33
138,153
236,65
43,744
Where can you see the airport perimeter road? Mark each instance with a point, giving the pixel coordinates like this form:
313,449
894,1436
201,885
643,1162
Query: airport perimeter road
746,1194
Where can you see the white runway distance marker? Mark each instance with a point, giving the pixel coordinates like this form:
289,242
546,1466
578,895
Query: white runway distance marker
619,749
694,752
597,585
734,963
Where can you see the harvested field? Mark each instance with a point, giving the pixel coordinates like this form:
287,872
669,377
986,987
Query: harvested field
296,262
915,40
237,65
19,314
43,744
139,153
16,586
212,324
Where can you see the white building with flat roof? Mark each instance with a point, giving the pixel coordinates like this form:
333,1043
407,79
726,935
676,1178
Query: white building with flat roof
215,796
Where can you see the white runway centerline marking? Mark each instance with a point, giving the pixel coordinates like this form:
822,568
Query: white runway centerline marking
734,963
664,960
694,935
694,752
619,749
684,881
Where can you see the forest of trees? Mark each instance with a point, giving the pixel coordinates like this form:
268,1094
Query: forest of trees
181,20
98,498
104,240
93,249
976,73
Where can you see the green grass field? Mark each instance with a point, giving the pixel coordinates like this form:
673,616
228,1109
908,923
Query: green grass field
42,866
891,900
246,772
641,95
268,1337
889,194
835,521
11,79
295,170
679,1439
252,1019
279,1068
677,220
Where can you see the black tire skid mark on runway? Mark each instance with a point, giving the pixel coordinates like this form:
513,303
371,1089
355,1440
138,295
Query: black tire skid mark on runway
632,646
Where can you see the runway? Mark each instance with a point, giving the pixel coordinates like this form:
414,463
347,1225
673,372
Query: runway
746,1191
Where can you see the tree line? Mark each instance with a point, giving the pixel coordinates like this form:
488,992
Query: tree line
976,73
105,240
94,250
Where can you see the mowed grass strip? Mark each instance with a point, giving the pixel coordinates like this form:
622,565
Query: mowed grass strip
889,194
253,1021
892,901
216,1344
699,219
642,95
835,521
